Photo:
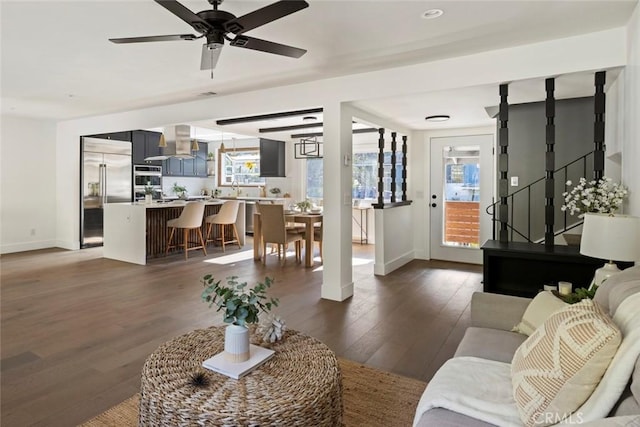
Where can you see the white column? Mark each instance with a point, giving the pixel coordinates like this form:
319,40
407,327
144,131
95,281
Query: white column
337,278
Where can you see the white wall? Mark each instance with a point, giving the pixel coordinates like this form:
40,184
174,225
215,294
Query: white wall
394,245
631,130
27,184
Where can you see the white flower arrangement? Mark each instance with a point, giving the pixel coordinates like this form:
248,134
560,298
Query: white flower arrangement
601,196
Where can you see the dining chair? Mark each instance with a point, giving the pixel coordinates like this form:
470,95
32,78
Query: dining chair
273,230
225,218
317,237
190,219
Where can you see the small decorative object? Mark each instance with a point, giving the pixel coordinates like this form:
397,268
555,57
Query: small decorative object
272,330
550,287
216,193
241,307
179,190
286,195
565,288
199,379
578,295
210,156
148,193
249,164
304,205
601,196
275,191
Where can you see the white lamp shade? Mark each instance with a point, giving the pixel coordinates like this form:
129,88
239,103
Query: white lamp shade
611,237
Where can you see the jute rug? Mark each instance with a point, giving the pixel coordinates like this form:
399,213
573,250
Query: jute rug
371,398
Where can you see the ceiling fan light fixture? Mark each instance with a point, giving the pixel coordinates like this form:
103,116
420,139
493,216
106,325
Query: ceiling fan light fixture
432,14
437,118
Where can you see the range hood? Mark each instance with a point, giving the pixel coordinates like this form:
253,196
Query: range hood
178,140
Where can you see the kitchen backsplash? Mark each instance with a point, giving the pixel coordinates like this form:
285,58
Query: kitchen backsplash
194,186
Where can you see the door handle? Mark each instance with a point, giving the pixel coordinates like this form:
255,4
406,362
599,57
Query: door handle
433,205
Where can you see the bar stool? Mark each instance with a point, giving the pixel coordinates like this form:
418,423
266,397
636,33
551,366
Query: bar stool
225,217
190,218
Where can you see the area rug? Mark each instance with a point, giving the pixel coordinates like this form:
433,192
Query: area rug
371,398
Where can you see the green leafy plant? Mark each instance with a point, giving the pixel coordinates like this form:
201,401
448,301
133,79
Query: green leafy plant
241,305
148,189
179,189
304,205
275,191
578,295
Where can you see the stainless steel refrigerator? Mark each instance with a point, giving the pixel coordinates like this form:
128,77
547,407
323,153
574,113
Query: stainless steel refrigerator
106,178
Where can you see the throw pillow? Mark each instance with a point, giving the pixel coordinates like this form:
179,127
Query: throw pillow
557,368
539,309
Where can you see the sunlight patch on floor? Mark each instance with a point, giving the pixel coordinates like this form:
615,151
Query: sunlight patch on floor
354,262
231,258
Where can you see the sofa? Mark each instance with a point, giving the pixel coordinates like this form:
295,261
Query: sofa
490,340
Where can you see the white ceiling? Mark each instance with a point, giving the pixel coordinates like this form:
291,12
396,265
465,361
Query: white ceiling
57,61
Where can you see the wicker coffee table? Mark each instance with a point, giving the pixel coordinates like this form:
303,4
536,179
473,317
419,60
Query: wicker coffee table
300,385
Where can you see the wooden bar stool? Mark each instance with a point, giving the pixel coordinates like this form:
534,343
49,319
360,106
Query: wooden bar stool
190,218
225,217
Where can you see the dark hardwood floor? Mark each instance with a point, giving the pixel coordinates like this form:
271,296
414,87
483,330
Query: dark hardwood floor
77,328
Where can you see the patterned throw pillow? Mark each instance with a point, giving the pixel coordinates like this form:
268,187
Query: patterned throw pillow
557,368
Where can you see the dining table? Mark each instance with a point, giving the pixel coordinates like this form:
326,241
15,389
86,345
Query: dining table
308,219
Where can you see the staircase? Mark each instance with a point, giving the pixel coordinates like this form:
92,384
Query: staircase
526,205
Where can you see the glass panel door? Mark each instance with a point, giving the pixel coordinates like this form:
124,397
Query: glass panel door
461,188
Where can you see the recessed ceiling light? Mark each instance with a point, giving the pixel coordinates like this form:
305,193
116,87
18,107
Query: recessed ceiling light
432,14
309,118
437,118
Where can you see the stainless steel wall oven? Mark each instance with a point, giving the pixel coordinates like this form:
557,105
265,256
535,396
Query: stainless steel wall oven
147,174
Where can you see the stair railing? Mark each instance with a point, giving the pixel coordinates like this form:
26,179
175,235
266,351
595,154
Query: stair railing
491,209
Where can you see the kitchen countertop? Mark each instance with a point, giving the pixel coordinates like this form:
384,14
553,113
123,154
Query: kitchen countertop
171,204
250,198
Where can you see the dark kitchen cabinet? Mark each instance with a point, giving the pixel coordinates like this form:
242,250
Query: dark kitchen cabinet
196,167
272,155
145,144
172,166
116,136
200,162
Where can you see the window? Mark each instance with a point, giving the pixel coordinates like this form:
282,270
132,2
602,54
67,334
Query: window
365,176
314,178
241,166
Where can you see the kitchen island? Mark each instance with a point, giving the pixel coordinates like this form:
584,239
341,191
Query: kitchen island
135,232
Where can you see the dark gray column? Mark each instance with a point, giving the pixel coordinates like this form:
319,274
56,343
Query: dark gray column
550,131
503,164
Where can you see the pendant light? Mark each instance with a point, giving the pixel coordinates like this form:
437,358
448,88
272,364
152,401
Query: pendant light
222,144
194,141
162,143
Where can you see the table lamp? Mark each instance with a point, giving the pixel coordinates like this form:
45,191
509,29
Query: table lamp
610,237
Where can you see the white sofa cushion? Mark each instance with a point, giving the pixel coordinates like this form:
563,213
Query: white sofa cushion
557,368
539,309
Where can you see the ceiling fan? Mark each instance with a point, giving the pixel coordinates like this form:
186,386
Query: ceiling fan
217,25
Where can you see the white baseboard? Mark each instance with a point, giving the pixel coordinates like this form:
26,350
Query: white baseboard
386,268
27,246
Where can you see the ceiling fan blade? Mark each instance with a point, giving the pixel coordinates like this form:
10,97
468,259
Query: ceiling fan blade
166,38
264,15
199,24
267,46
210,55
